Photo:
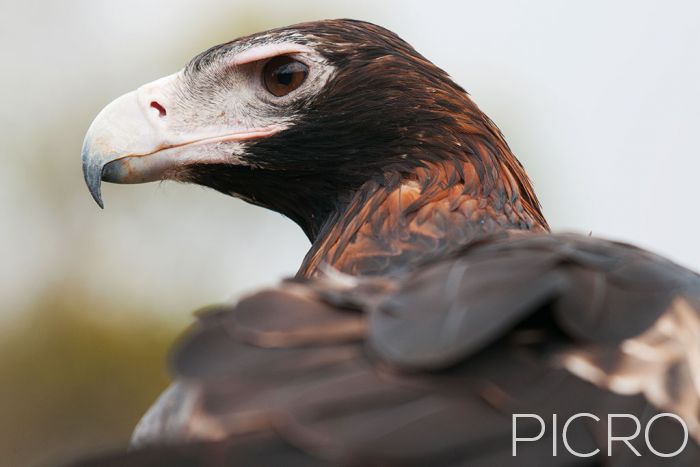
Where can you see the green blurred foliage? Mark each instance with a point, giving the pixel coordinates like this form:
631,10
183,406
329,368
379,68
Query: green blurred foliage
73,383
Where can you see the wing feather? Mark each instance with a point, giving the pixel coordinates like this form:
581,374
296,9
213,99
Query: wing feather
428,368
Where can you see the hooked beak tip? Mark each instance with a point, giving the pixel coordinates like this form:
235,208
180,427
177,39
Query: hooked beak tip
92,172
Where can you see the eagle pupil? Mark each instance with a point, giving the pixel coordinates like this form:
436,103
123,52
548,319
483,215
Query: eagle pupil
285,75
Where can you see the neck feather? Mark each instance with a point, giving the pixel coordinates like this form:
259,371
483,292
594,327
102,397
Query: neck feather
392,225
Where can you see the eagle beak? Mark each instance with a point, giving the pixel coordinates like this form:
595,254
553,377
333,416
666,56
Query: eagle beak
139,138
132,126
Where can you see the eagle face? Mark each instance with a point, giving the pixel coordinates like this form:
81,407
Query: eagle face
208,113
297,116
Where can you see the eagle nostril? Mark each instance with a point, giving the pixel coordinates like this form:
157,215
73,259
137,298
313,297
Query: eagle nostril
159,108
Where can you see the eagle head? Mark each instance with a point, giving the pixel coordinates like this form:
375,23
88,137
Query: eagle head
295,119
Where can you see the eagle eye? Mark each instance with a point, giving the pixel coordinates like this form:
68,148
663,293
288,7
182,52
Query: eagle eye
282,75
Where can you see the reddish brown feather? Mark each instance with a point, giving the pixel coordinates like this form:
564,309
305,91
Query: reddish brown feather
439,209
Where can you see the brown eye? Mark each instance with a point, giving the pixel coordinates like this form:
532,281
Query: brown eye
283,75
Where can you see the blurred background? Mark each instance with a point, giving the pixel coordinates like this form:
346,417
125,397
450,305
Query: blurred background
599,100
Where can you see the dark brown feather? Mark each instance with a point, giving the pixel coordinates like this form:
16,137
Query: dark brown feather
423,387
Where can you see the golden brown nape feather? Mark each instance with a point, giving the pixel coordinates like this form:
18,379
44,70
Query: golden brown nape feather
431,211
419,218
441,175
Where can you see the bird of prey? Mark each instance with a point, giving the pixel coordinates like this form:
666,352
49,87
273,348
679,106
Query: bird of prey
435,314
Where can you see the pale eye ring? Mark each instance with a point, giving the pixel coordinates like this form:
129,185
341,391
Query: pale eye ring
283,74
